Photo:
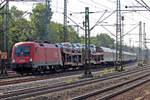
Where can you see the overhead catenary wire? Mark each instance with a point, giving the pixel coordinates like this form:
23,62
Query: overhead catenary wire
99,19
100,11
130,30
2,2
144,16
111,1
108,31
76,17
146,4
92,6
97,3
85,3
92,12
103,19
2,6
75,22
142,5
142,11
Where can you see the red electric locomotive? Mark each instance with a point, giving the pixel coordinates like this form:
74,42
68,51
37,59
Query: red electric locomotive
31,56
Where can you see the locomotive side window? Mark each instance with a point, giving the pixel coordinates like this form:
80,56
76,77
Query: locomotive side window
35,50
22,51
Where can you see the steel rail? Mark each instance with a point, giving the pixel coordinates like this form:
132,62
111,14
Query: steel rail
47,74
107,89
109,96
48,89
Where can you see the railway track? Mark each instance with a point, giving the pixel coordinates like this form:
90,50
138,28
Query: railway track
10,74
41,90
17,79
112,91
35,78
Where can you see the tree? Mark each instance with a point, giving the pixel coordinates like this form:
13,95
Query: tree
1,31
38,24
103,40
72,35
19,27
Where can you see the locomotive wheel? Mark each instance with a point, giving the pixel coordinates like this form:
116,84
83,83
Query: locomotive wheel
35,72
57,68
38,70
22,74
21,71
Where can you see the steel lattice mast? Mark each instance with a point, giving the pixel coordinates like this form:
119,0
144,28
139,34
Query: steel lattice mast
65,20
140,42
118,34
48,21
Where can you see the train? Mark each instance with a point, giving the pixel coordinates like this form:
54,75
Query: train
34,57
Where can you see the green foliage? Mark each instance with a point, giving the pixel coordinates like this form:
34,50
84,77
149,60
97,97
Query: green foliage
1,32
16,14
38,22
101,40
72,35
104,40
21,29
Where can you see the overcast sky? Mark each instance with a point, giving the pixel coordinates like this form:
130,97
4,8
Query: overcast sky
100,7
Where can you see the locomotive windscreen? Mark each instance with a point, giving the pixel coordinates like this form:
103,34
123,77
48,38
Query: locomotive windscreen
22,51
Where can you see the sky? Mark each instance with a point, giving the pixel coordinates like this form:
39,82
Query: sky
101,9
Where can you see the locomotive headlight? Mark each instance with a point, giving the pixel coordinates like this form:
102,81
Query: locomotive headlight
13,60
30,59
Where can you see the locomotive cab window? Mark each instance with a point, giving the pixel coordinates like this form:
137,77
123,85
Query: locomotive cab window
22,51
35,50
